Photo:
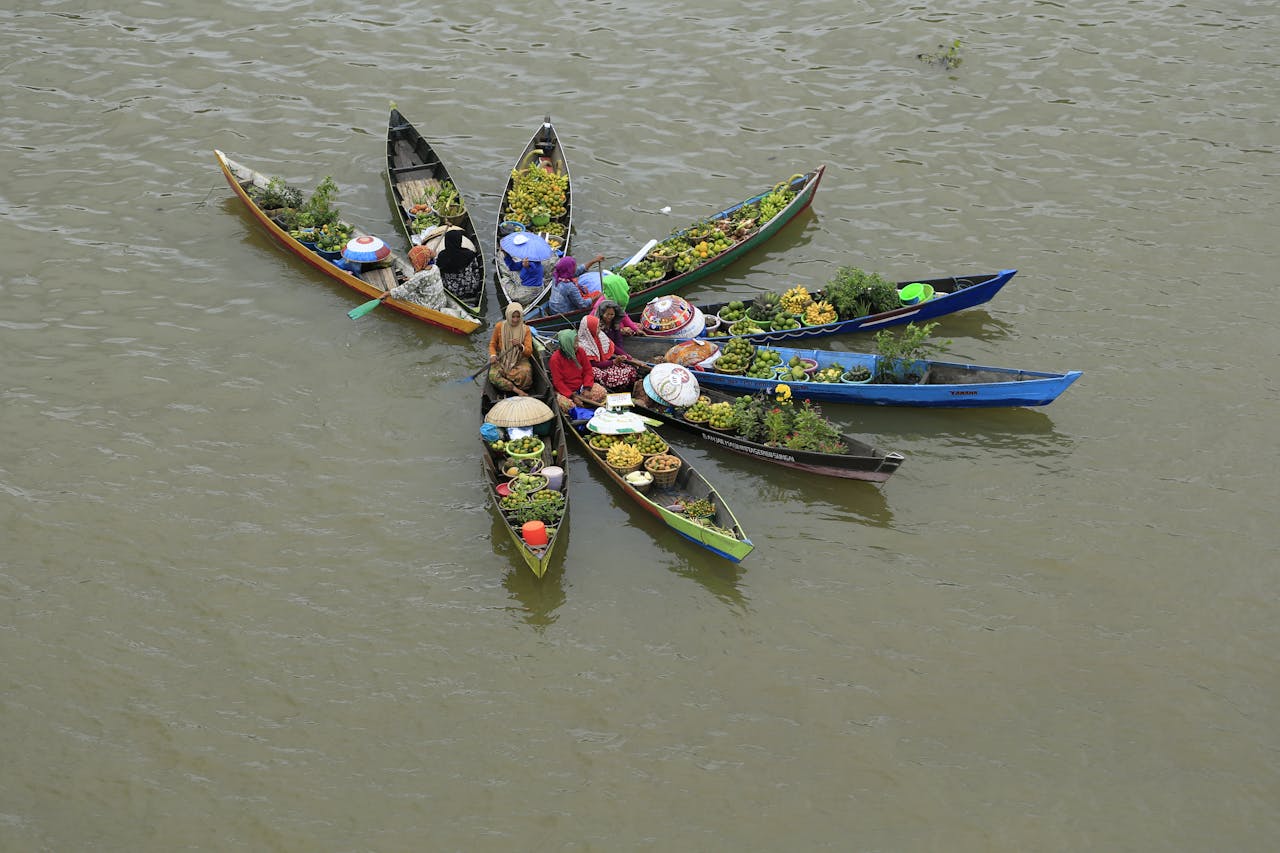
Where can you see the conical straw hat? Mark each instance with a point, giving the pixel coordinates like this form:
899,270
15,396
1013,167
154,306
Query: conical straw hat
519,412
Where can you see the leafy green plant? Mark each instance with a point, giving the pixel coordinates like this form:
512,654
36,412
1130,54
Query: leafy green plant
320,206
901,353
748,417
856,293
811,431
777,424
276,194
946,57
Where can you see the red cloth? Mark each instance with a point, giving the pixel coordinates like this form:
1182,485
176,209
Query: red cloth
568,377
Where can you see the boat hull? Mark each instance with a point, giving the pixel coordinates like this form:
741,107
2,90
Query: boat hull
234,173
411,164
961,292
690,484
945,384
546,140
807,185
555,452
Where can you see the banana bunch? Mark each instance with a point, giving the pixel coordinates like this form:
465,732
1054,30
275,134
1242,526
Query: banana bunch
796,299
819,314
774,201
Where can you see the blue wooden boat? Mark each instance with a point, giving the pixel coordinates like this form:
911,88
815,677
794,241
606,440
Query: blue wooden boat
951,294
941,384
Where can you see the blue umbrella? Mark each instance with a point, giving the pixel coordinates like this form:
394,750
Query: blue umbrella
526,247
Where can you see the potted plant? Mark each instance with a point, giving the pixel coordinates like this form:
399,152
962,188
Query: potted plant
856,375
901,358
448,203
319,209
276,196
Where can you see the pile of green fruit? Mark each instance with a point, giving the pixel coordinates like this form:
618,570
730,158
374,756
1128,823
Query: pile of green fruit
526,484
647,443
600,441
700,411
533,190
795,371
745,326
831,373
786,322
524,446
721,416
735,356
764,364
733,312
547,496
643,273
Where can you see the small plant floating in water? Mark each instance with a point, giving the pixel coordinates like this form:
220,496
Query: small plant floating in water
946,57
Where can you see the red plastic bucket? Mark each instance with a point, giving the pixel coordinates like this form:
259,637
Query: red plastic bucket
534,533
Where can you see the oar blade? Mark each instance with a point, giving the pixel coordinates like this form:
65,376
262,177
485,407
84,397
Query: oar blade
360,310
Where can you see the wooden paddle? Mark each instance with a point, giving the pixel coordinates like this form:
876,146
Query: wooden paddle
483,368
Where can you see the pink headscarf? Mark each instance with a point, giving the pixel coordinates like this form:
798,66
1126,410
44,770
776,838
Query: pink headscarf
566,268
592,341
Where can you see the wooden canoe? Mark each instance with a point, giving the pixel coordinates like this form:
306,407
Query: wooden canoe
543,151
721,534
414,173
951,294
370,283
804,186
859,461
943,384
554,453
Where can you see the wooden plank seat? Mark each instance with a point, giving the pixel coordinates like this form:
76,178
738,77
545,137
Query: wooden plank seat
383,278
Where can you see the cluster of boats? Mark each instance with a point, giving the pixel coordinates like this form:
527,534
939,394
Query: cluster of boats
521,484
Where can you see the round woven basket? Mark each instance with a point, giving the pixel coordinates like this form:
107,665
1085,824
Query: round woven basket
663,479
622,472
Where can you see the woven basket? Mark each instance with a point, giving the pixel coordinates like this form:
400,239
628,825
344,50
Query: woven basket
663,479
622,472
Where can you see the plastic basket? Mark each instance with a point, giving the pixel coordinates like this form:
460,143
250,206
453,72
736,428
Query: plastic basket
534,454
663,479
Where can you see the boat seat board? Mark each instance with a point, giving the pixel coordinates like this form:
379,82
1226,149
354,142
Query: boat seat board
383,278
404,154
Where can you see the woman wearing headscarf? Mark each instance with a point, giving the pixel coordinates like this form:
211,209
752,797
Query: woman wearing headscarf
454,257
615,287
460,266
511,353
571,374
615,323
567,294
610,366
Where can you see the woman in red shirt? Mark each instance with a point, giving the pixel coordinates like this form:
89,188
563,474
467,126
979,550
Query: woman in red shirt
571,374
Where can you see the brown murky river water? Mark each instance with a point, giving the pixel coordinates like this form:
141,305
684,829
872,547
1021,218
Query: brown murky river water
251,596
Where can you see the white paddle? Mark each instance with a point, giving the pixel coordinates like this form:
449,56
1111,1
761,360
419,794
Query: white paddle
638,256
